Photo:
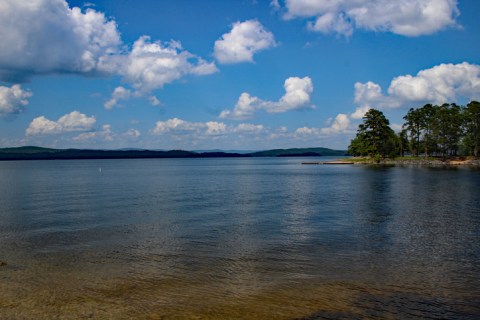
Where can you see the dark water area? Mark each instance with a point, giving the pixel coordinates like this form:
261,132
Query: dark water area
250,238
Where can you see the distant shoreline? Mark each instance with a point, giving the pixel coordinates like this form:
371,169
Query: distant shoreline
38,153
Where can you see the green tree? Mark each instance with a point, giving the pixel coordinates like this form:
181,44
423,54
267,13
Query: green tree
357,147
447,128
413,125
427,115
472,128
374,136
402,142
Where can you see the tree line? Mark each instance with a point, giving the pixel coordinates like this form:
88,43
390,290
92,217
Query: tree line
432,131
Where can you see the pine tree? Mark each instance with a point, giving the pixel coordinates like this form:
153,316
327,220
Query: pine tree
374,137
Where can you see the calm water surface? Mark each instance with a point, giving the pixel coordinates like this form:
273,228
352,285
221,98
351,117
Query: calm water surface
237,239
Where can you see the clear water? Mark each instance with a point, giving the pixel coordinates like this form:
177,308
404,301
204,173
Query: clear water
237,239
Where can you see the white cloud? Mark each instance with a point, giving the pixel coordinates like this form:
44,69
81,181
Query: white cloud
151,65
332,23
76,121
72,122
46,36
360,111
245,108
248,128
440,84
120,93
132,133
13,99
176,125
216,128
403,17
154,101
275,4
296,97
105,134
341,124
42,125
177,133
368,95
242,42
307,131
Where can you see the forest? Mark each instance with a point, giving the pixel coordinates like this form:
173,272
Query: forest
445,131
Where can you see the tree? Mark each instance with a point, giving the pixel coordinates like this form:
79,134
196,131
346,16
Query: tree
402,142
413,123
472,128
447,128
427,118
374,136
357,147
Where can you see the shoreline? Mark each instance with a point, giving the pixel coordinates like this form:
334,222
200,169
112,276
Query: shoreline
420,162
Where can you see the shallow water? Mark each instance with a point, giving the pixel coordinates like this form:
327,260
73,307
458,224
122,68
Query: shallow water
246,238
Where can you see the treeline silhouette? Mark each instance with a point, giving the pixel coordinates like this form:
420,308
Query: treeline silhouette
445,130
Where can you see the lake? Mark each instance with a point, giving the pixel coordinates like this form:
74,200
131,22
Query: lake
248,238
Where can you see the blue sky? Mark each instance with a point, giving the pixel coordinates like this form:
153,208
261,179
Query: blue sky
241,74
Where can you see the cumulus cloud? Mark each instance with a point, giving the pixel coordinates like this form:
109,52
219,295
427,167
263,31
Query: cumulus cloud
341,124
105,134
120,93
180,133
368,95
245,108
177,126
42,125
46,36
307,131
216,128
132,133
13,99
242,42
440,84
72,122
151,65
403,17
296,97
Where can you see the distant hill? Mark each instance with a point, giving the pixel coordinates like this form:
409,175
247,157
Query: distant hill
299,152
38,153
27,150
225,151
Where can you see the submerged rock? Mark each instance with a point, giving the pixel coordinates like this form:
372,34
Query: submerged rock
2,263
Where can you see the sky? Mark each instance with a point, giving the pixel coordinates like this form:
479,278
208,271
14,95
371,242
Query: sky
226,74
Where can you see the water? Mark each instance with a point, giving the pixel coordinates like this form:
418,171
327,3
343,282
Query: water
246,238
